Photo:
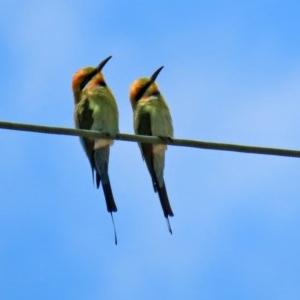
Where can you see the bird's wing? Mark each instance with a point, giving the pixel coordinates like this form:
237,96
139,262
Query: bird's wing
84,120
143,127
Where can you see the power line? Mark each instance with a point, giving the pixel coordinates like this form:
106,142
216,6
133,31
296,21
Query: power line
151,139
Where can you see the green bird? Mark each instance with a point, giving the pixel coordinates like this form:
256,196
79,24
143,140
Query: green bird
96,109
152,117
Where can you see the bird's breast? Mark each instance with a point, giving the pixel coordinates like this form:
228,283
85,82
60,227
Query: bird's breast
160,117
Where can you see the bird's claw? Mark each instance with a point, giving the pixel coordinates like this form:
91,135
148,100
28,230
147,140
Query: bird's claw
166,139
107,135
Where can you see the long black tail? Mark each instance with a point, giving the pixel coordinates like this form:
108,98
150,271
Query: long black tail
110,204
109,198
101,157
165,203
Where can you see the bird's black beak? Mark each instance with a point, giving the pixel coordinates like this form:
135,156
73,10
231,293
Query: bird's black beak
143,90
103,63
154,75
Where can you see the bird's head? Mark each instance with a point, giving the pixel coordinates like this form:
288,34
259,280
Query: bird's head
143,87
83,76
81,79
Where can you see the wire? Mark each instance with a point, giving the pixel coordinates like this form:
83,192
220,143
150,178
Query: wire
151,139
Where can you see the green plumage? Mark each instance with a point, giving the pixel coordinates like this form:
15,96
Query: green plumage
152,117
97,110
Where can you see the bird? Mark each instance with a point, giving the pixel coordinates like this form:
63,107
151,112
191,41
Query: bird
151,116
96,109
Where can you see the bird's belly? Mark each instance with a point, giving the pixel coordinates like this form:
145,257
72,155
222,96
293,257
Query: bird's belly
159,149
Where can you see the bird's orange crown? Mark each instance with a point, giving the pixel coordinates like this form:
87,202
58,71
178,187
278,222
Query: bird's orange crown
144,87
84,76
139,89
80,80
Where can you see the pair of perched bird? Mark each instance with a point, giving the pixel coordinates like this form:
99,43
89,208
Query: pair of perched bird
96,109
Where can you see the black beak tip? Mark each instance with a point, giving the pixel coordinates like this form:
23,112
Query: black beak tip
155,74
103,63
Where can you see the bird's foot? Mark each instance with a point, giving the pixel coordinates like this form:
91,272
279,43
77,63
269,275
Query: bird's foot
166,139
107,135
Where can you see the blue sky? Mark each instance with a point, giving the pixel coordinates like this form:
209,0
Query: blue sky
232,73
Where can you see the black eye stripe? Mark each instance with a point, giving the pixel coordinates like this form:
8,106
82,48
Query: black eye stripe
156,93
87,79
142,91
